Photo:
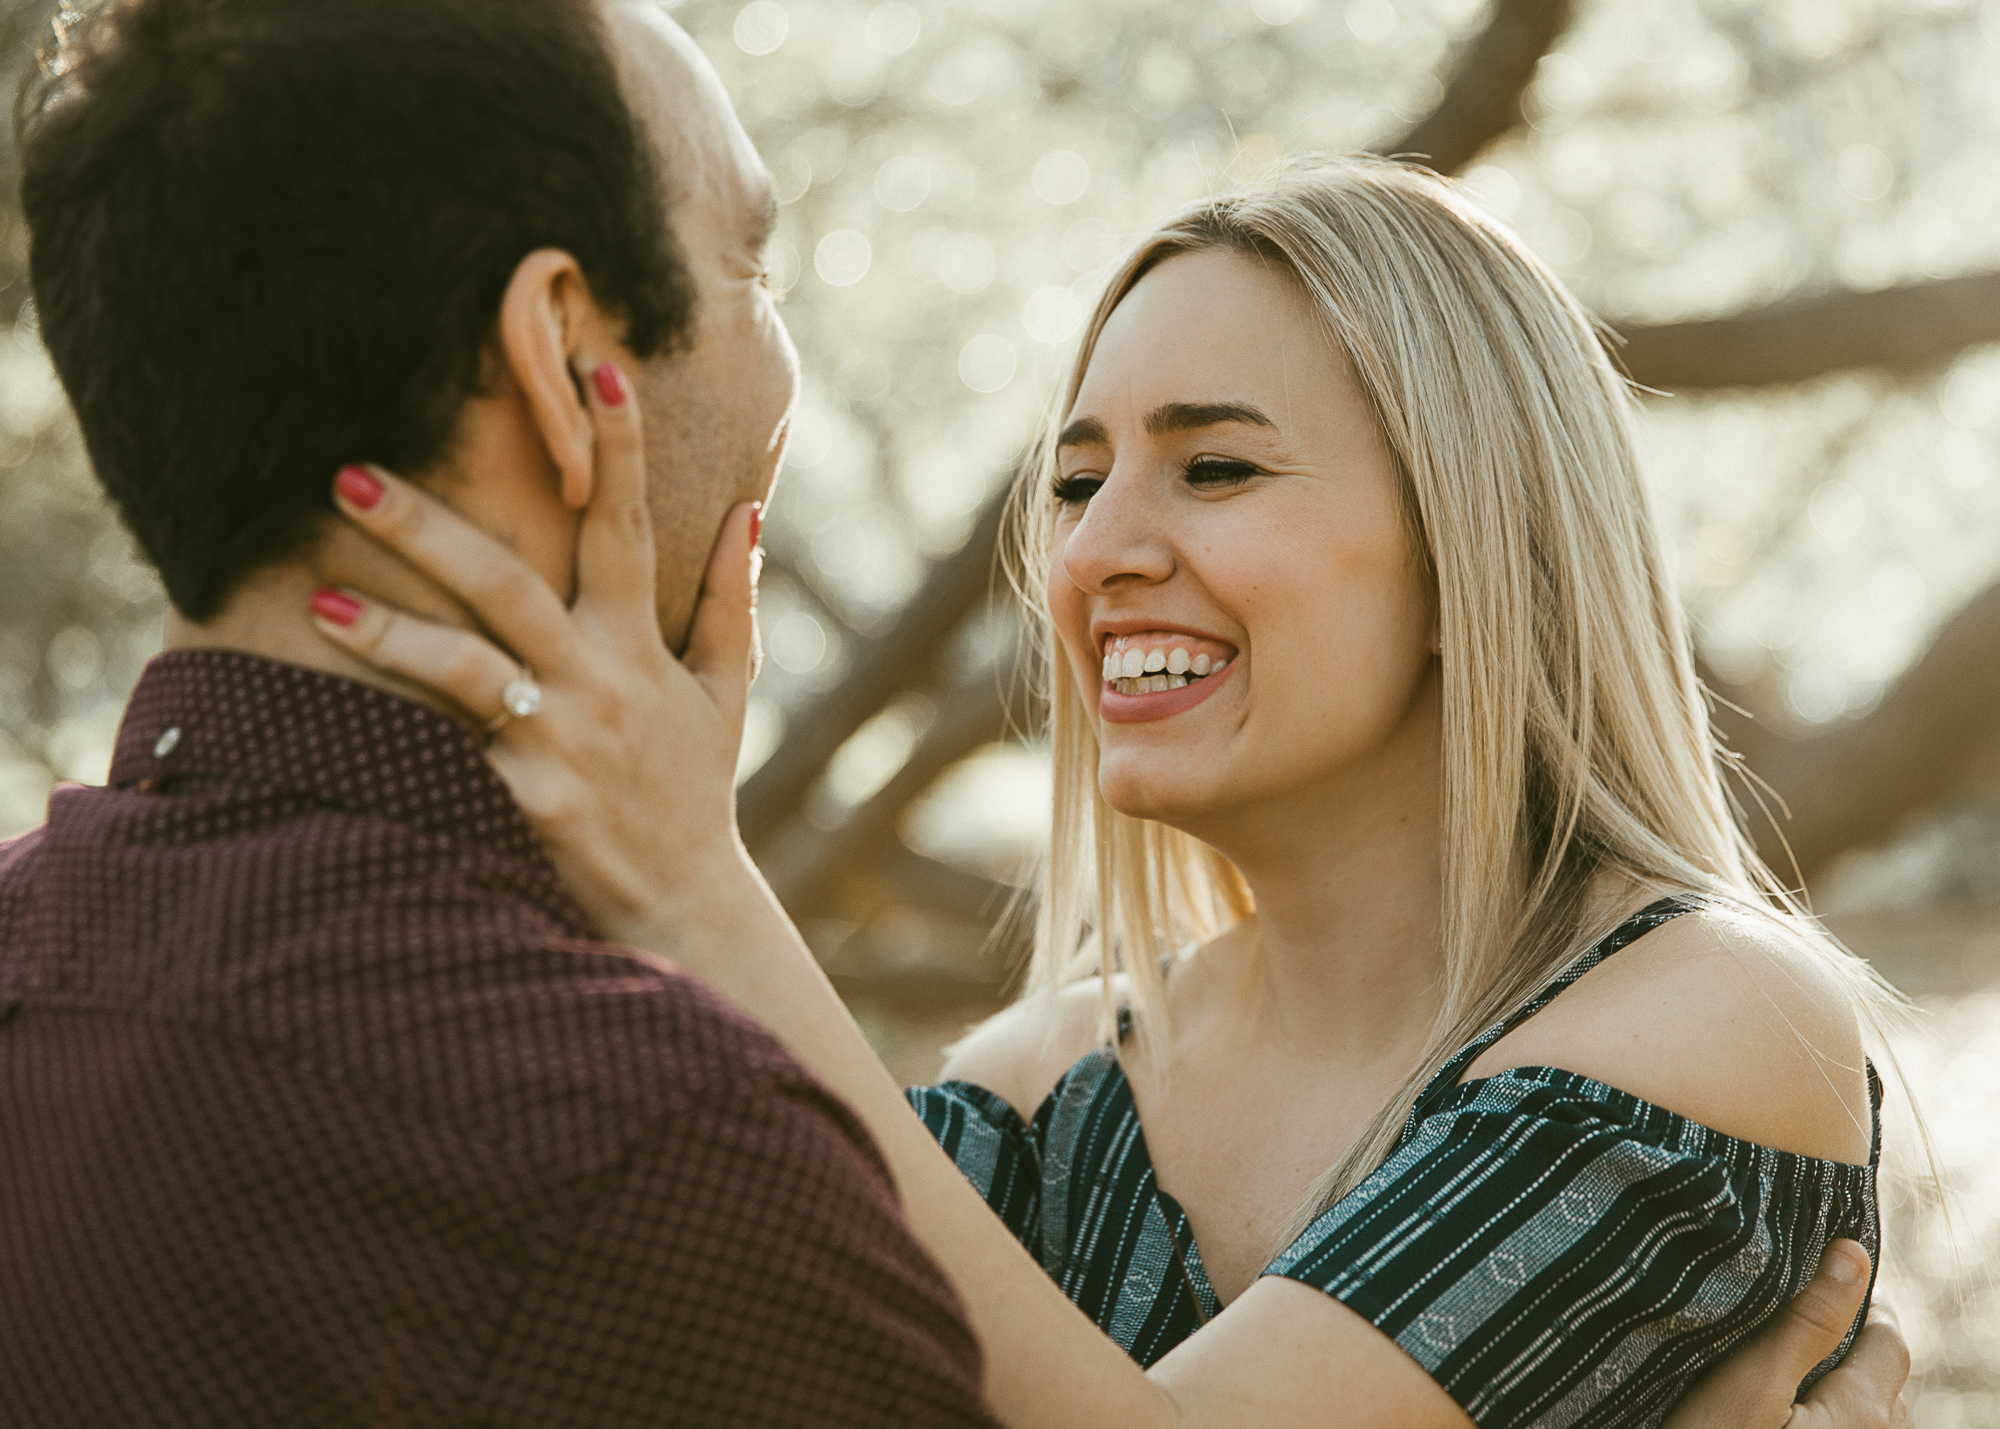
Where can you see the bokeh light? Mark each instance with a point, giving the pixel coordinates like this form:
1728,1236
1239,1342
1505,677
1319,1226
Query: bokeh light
761,27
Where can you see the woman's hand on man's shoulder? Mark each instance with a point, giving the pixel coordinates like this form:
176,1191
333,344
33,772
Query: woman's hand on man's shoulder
1725,1018
1020,1054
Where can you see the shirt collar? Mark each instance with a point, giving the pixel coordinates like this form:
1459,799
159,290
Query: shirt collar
257,723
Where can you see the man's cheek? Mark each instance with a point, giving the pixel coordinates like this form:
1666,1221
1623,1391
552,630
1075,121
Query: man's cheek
782,362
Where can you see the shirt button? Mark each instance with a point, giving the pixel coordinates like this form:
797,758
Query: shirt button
167,743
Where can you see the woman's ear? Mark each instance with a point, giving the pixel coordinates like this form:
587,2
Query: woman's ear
546,317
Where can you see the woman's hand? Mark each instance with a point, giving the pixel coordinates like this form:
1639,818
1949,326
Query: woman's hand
1753,1388
627,767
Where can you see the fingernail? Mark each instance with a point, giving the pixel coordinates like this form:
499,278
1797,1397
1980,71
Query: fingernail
358,486
756,521
337,606
1843,1266
610,384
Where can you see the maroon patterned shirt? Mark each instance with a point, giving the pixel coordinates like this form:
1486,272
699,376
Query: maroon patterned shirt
319,1105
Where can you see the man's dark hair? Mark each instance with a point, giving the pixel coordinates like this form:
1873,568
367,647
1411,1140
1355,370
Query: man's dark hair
270,237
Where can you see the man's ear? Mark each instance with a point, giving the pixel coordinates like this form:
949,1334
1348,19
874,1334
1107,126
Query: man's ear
546,316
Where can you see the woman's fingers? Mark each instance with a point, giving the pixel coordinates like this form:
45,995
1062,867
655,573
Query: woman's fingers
510,598
720,645
459,666
1754,1387
616,557
1866,1392
625,769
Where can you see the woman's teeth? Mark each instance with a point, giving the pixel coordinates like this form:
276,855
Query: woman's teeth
1145,672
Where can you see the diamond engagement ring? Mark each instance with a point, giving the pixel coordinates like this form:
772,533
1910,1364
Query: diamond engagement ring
521,698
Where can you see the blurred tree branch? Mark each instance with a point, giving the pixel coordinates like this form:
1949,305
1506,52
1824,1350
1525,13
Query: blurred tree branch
916,991
1903,329
821,600
930,884
1934,733
883,668
805,863
1483,99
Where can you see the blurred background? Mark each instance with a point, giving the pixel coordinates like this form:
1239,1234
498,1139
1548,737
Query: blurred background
1788,209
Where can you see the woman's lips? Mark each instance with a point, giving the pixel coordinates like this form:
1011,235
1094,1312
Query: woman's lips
1116,708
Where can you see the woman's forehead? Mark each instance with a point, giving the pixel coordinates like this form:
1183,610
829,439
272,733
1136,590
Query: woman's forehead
1204,330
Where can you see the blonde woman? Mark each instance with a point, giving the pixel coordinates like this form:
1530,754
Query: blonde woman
1414,1036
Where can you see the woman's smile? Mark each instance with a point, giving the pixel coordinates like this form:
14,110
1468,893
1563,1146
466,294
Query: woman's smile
1152,671
1134,700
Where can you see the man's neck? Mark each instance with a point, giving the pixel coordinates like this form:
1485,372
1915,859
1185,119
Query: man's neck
270,614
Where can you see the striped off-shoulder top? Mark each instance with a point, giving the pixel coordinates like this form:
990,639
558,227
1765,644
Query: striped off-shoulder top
1552,1250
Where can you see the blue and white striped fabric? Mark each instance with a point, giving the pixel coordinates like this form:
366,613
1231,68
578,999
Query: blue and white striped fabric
1551,1250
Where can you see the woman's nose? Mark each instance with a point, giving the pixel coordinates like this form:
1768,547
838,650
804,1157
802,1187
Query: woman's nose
1121,540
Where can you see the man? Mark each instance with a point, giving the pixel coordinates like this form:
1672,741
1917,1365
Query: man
319,1104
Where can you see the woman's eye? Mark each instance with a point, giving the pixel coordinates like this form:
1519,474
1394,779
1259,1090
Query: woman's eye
1074,490
1213,472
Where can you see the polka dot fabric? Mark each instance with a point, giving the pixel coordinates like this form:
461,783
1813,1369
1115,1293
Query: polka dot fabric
319,1105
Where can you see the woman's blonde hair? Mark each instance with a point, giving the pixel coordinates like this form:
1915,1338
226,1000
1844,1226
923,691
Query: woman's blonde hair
1576,735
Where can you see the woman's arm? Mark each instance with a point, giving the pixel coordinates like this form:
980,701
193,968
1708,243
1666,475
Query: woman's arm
1046,1363
626,773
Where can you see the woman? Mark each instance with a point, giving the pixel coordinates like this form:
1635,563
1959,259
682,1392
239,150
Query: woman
1376,736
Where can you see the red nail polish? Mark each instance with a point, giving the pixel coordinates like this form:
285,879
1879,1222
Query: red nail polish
610,384
340,608
359,486
756,522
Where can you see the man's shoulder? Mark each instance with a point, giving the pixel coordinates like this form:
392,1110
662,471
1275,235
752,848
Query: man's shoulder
658,1036
19,846
564,1048
440,980
16,854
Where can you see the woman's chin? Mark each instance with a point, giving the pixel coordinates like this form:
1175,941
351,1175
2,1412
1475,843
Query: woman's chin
1161,795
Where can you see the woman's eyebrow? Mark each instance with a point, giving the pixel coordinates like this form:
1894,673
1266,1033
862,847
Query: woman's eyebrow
1173,417
1083,431
1188,416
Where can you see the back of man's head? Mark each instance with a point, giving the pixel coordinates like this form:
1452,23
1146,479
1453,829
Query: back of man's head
270,237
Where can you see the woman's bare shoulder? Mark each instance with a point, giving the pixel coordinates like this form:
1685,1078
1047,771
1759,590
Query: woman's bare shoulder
1021,1053
1729,1019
